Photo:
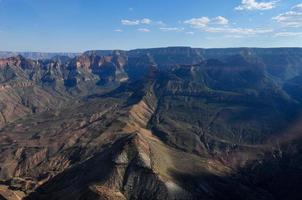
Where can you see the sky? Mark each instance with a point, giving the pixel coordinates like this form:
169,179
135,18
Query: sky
80,25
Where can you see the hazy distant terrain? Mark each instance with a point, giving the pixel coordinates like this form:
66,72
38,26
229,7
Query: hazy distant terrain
36,55
163,123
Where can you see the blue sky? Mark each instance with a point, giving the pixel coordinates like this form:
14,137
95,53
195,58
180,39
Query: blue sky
79,25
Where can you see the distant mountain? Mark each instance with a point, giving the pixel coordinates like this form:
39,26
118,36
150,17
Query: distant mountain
35,55
163,123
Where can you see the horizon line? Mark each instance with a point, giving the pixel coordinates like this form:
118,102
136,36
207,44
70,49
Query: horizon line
145,48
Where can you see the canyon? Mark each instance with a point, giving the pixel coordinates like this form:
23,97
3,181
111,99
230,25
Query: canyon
161,123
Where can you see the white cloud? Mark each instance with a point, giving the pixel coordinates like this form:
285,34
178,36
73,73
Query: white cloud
221,25
136,22
220,20
145,30
198,22
127,22
292,18
205,21
176,29
254,5
160,23
297,7
118,30
145,21
238,31
288,34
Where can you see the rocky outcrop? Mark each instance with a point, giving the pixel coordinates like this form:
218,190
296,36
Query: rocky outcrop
136,166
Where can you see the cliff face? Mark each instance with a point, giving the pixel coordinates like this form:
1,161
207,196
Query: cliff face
171,123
